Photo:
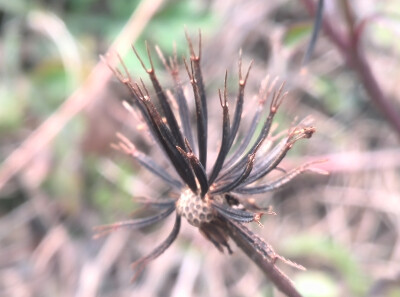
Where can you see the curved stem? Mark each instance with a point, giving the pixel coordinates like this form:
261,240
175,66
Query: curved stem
268,267
350,49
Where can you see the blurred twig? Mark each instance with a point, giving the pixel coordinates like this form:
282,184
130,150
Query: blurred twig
88,93
349,46
355,161
93,273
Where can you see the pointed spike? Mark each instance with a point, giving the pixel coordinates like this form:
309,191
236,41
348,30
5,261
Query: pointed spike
290,263
199,56
234,214
272,86
172,63
151,70
175,52
124,67
220,98
190,44
114,70
225,88
182,151
240,65
162,58
248,72
115,146
192,70
135,223
139,58
187,70
239,179
187,144
139,92
145,89
126,141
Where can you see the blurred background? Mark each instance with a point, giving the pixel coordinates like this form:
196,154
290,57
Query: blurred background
60,110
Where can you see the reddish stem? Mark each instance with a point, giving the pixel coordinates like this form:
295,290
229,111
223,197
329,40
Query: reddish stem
349,47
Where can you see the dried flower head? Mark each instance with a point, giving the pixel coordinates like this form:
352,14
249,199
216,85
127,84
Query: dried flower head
216,200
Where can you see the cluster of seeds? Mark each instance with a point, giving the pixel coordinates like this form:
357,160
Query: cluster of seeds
197,211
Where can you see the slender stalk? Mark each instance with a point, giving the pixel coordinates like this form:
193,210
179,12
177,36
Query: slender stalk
272,272
349,46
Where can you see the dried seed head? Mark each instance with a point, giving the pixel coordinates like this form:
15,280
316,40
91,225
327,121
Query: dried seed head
208,198
195,209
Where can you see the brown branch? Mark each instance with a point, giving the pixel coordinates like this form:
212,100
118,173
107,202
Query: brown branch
87,94
349,46
272,272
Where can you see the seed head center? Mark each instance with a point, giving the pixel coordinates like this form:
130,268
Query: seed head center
194,209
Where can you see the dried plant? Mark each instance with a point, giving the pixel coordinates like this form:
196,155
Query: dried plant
217,200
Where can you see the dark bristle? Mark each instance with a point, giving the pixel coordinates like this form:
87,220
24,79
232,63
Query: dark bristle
155,203
229,186
239,101
162,99
216,233
276,183
224,149
244,143
169,145
275,103
262,247
140,264
196,80
184,113
197,169
233,213
135,223
156,169
268,163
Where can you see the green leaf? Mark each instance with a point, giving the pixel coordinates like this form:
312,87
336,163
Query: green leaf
316,284
11,110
